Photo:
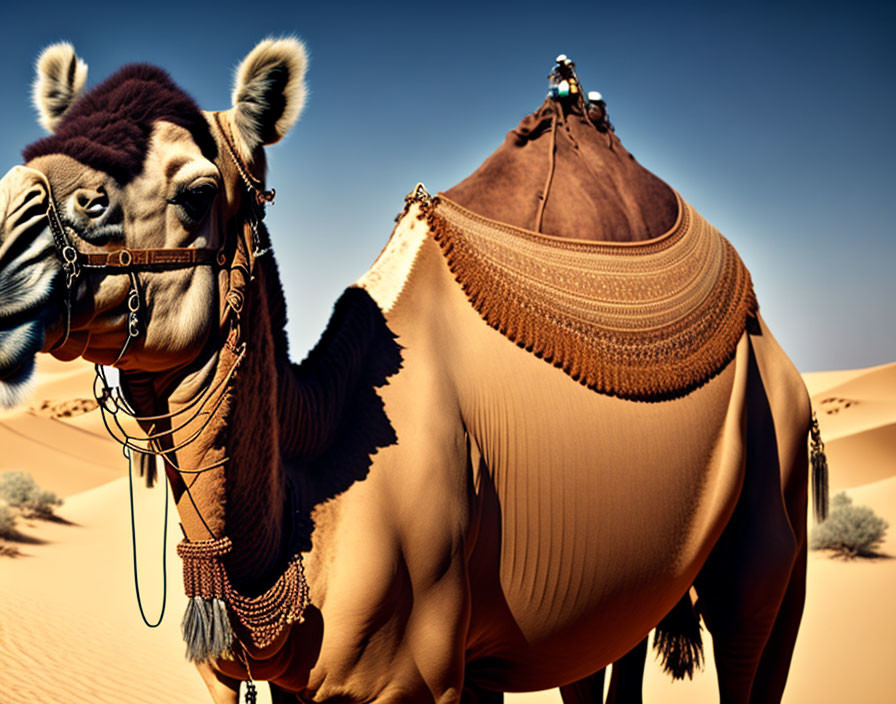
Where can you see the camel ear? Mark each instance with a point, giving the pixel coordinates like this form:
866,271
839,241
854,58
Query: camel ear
268,93
61,77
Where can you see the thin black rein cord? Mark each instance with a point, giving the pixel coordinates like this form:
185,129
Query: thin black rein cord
164,486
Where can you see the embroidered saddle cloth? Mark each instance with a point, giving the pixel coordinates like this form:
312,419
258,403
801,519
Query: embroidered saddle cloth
641,320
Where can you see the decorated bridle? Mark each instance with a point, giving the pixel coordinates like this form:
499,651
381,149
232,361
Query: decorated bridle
206,626
131,261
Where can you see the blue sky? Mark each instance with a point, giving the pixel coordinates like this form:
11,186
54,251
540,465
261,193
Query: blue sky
775,119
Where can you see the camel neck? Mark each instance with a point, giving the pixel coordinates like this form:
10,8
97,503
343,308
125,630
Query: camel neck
288,436
242,497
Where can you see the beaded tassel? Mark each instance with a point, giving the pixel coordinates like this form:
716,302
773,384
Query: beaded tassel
206,627
819,462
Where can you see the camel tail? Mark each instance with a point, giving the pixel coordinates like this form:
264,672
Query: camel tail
678,640
819,462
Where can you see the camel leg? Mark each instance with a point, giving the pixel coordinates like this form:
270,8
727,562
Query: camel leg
625,681
627,676
589,690
743,583
224,689
775,663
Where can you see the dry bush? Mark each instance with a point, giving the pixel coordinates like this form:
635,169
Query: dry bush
7,521
849,531
20,491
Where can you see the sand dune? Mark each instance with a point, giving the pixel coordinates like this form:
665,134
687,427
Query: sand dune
60,455
857,416
863,457
70,629
878,380
66,454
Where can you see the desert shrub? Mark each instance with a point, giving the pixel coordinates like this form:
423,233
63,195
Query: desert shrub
840,500
16,487
22,492
849,531
7,520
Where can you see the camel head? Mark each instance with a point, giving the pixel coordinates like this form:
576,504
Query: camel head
130,165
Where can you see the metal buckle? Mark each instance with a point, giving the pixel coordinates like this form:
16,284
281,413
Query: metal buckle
70,264
418,195
121,257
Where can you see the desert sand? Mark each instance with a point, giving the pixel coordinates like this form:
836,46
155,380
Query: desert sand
70,629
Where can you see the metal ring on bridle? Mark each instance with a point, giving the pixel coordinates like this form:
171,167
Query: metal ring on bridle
263,197
104,396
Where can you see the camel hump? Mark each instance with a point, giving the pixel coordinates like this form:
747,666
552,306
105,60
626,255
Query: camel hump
564,171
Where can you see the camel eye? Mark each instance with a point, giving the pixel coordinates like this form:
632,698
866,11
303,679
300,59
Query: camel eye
194,202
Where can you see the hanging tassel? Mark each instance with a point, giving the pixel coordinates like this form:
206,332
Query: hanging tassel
205,627
678,640
147,465
221,636
819,462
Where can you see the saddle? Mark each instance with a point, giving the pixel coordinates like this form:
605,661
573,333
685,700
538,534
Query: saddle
644,321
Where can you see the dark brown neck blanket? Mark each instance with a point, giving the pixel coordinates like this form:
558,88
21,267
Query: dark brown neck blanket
596,191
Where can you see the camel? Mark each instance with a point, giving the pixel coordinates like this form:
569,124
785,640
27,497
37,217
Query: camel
548,410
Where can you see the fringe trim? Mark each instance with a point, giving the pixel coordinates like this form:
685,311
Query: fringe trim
650,363
819,463
206,625
678,640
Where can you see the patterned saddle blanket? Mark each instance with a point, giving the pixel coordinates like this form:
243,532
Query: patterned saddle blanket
643,320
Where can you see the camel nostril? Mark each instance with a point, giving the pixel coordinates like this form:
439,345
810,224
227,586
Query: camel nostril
92,203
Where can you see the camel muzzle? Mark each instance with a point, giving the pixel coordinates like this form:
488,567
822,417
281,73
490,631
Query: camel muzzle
29,273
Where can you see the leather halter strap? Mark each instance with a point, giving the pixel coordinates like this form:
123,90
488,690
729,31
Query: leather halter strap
149,258
123,260
119,261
